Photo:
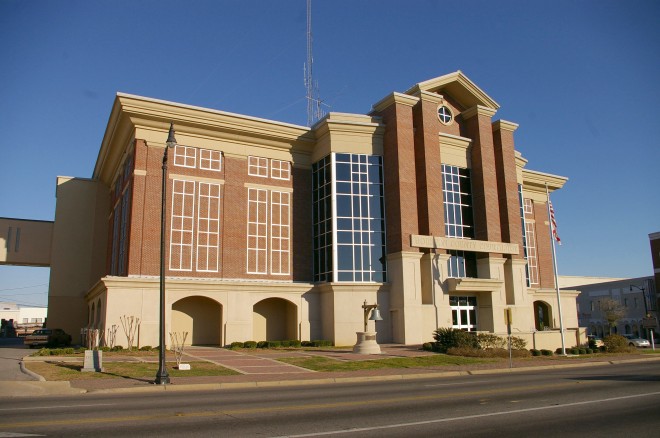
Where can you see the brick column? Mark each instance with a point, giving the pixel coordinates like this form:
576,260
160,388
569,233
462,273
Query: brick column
477,126
507,184
428,165
399,170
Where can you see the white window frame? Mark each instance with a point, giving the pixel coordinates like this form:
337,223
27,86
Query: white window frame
258,166
213,158
176,218
185,156
213,225
280,170
283,225
532,252
253,219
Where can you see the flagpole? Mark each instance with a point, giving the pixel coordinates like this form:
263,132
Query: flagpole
554,263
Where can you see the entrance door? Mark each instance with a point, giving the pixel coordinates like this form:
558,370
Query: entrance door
464,313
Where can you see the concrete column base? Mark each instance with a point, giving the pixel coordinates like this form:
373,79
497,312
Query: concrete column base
366,343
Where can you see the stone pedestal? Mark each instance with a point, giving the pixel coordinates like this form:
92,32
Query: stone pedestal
93,361
366,343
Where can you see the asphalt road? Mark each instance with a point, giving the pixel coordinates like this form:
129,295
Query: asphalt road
609,400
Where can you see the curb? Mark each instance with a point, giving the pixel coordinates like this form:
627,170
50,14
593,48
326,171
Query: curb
35,388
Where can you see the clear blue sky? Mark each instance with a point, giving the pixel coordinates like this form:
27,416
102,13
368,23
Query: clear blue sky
581,78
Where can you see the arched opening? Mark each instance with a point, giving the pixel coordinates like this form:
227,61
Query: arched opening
274,319
92,316
201,317
626,329
542,315
635,330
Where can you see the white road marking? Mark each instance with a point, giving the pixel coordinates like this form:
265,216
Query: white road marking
467,417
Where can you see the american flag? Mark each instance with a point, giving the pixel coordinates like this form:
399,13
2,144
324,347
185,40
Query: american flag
553,223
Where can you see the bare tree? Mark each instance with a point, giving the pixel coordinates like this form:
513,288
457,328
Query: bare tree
613,311
131,325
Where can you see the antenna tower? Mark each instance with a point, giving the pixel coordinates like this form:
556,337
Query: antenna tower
314,111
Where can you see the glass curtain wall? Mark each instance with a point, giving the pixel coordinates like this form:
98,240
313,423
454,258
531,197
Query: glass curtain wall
349,218
457,198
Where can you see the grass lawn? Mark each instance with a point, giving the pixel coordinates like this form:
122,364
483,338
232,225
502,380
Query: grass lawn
53,370
319,363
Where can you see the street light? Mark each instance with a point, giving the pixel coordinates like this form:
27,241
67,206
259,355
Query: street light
162,377
646,308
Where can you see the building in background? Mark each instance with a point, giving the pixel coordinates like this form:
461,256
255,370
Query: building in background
637,296
278,231
654,240
24,319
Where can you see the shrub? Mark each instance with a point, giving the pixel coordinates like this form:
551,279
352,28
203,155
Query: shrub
236,345
616,344
295,343
307,344
589,351
427,346
273,344
146,348
117,348
250,344
518,343
546,352
446,338
321,343
535,352
574,350
106,348
489,340
285,343
582,350
262,344
558,350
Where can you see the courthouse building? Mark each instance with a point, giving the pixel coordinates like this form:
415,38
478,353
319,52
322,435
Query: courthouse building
278,231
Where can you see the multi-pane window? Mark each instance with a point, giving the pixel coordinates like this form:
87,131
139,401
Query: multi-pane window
521,204
322,219
181,228
257,232
457,200
258,166
457,197
210,160
279,232
269,232
463,313
280,169
122,191
185,156
348,198
208,227
531,252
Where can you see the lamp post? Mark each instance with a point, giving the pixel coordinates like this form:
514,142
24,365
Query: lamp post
646,307
162,377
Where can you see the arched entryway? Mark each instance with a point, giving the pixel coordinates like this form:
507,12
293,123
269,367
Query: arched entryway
201,317
274,319
542,315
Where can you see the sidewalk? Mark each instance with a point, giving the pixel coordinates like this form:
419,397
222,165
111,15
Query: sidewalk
259,368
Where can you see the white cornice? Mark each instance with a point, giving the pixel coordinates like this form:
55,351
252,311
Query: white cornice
536,181
503,125
392,98
478,110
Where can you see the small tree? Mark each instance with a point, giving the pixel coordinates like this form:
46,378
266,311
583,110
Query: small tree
613,311
131,325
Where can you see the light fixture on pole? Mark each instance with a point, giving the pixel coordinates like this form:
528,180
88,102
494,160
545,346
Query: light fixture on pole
646,307
162,377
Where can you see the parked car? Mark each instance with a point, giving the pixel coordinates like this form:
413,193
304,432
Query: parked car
48,337
637,342
595,341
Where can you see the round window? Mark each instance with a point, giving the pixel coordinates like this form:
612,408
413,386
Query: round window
444,115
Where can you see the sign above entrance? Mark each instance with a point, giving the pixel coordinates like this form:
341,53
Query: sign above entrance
463,244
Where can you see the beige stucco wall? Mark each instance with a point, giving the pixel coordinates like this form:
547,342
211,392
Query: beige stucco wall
78,250
25,242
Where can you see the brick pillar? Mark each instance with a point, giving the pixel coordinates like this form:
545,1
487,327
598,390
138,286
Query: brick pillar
477,126
399,170
428,165
507,184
